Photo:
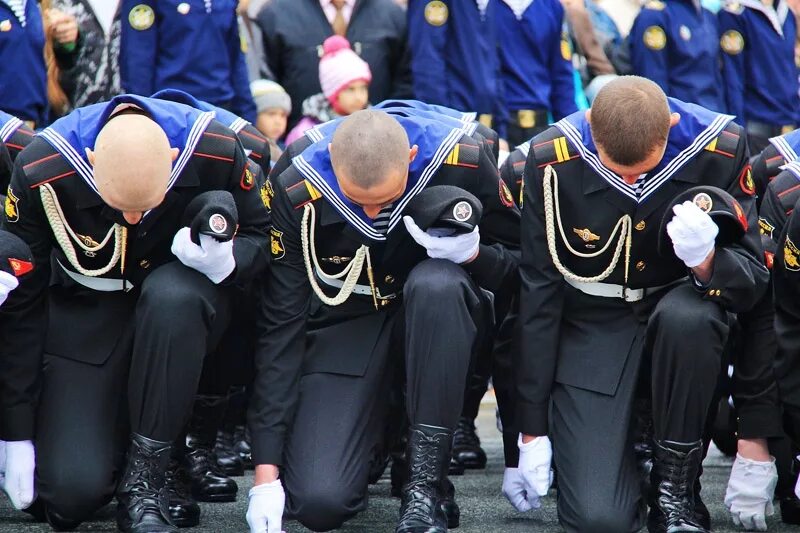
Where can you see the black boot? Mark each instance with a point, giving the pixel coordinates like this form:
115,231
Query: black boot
467,446
209,483
142,503
228,459
241,445
672,502
455,468
449,505
183,510
700,509
428,458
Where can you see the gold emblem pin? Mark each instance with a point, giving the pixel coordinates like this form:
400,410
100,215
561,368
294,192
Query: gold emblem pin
586,235
790,256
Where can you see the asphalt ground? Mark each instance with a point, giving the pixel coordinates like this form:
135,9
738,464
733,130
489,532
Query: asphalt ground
483,507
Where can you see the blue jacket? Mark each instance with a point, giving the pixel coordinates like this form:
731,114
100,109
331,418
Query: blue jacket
758,62
23,93
454,57
676,44
191,45
536,58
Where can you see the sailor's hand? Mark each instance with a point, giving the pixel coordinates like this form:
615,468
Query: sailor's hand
692,232
459,248
534,465
212,258
751,488
265,507
19,466
515,491
8,282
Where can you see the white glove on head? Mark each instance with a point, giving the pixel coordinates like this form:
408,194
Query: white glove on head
212,258
19,466
750,491
514,490
265,509
692,232
534,464
8,282
456,248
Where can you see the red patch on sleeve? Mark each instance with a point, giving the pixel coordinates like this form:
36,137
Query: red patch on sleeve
746,181
740,215
20,267
506,197
769,259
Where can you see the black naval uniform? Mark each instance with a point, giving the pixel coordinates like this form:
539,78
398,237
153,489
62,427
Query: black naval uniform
143,328
15,136
323,372
584,353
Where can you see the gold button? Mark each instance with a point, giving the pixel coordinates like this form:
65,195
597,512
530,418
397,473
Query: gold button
717,292
641,225
389,279
711,292
144,263
640,265
384,303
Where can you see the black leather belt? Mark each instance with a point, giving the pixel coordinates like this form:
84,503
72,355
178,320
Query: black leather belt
762,129
529,118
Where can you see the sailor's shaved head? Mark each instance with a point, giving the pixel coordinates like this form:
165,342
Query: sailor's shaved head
368,148
132,162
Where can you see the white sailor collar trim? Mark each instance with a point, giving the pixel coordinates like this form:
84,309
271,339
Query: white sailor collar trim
9,128
784,148
776,17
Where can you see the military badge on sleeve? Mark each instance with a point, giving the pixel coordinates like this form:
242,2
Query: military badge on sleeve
506,197
746,181
12,206
790,256
267,193
766,227
248,179
436,13
655,38
731,42
277,250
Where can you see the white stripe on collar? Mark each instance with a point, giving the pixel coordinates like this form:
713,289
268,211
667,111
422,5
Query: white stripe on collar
655,181
238,124
518,7
793,167
524,148
85,171
311,174
784,148
9,128
775,17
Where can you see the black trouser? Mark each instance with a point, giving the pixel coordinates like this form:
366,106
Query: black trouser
517,134
340,417
679,345
84,415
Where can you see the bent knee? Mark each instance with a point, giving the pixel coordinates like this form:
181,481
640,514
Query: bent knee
435,278
323,508
79,497
605,520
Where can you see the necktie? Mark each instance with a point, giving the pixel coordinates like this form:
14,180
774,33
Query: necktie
339,25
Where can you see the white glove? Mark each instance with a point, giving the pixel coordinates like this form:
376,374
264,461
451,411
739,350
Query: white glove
456,248
534,465
750,491
8,282
19,466
514,490
797,484
265,510
212,258
692,232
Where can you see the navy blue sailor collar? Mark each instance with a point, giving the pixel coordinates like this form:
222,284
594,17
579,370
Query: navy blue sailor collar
788,145
8,125
435,139
71,135
231,120
776,16
697,128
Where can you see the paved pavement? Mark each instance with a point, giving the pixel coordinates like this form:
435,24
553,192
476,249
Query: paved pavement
483,507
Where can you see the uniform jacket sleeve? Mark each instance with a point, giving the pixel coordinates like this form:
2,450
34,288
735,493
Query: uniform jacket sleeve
401,71
242,104
562,95
647,61
428,45
281,328
740,277
541,305
496,267
733,66
138,51
23,317
251,242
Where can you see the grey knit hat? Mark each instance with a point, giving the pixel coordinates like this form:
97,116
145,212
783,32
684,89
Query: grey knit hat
270,95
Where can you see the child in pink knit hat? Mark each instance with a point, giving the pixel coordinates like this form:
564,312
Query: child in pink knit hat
344,78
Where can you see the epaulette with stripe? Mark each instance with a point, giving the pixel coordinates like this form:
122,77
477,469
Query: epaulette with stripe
552,148
773,161
45,165
302,192
787,190
18,140
217,142
467,153
726,143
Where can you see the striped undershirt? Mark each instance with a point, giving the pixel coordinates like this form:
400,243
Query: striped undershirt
18,8
381,221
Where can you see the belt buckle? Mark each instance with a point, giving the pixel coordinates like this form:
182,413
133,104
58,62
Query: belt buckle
526,118
631,295
485,119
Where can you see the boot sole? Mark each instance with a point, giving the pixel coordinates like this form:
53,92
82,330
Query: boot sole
215,498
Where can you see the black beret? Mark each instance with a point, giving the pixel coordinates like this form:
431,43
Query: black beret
723,208
15,256
212,213
445,206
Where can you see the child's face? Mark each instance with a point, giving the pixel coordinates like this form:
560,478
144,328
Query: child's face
353,98
272,123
